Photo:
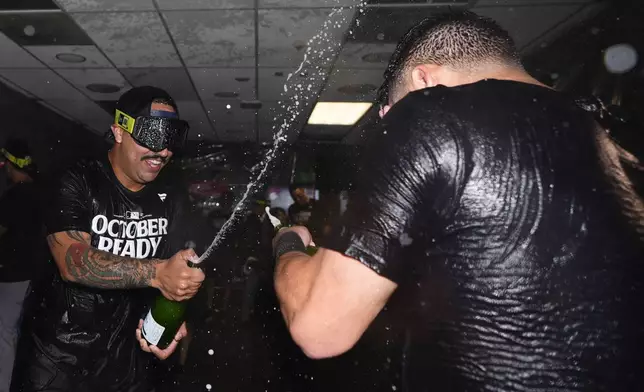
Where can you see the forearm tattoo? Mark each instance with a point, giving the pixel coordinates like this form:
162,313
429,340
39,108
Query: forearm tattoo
96,268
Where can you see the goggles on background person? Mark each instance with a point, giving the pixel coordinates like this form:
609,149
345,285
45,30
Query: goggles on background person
155,133
19,162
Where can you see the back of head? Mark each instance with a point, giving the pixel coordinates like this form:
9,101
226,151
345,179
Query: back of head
460,40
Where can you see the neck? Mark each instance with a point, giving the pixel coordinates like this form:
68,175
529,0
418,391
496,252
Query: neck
504,73
115,161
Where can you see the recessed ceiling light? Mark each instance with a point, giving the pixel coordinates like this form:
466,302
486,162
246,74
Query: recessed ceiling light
29,30
620,59
353,89
378,57
70,58
338,113
103,88
226,94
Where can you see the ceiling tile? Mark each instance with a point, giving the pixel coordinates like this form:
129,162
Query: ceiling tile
214,38
234,124
528,23
47,54
365,55
211,81
275,117
14,5
42,83
85,111
285,34
81,78
307,3
522,2
387,25
205,4
273,84
13,56
132,39
237,132
47,28
106,5
352,85
14,87
174,80
193,112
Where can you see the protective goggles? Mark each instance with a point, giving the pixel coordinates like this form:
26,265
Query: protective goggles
154,133
20,162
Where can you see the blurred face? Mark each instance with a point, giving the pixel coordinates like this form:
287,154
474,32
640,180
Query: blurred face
300,196
138,163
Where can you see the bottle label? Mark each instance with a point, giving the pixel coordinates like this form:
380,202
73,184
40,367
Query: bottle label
152,331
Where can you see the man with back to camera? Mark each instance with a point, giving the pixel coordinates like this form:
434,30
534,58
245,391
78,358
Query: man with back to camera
111,230
22,246
498,214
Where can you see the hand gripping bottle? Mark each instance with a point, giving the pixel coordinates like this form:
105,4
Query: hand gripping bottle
277,224
164,320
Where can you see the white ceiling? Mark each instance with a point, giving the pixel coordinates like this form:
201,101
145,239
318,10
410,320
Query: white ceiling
213,53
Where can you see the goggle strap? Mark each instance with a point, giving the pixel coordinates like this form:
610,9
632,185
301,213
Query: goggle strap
124,121
20,162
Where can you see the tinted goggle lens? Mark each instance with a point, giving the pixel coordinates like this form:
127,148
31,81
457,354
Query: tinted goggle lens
155,133
158,133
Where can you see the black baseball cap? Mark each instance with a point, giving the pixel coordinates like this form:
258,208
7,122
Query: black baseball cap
138,100
153,129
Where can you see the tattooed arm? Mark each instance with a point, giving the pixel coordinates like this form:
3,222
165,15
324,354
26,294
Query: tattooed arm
79,262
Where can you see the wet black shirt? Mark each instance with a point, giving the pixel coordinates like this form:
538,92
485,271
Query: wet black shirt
82,338
22,246
517,271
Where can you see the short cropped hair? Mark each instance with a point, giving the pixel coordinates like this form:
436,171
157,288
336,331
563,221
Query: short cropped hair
461,40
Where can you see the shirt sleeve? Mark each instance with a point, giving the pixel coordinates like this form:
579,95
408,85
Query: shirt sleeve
406,183
69,206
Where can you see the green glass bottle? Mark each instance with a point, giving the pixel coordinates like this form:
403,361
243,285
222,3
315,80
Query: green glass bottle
277,224
164,320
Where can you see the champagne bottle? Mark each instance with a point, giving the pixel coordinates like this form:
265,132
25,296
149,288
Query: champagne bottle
277,224
164,320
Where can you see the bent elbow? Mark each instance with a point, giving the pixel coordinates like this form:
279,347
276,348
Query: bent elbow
66,277
319,344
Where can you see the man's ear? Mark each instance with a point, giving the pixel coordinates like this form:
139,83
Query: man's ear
383,110
424,76
118,133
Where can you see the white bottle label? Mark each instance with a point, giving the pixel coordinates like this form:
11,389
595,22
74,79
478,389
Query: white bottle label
152,331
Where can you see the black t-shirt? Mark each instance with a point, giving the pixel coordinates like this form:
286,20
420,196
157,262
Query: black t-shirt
23,245
88,333
488,206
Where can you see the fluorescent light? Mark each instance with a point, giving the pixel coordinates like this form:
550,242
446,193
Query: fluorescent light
338,113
